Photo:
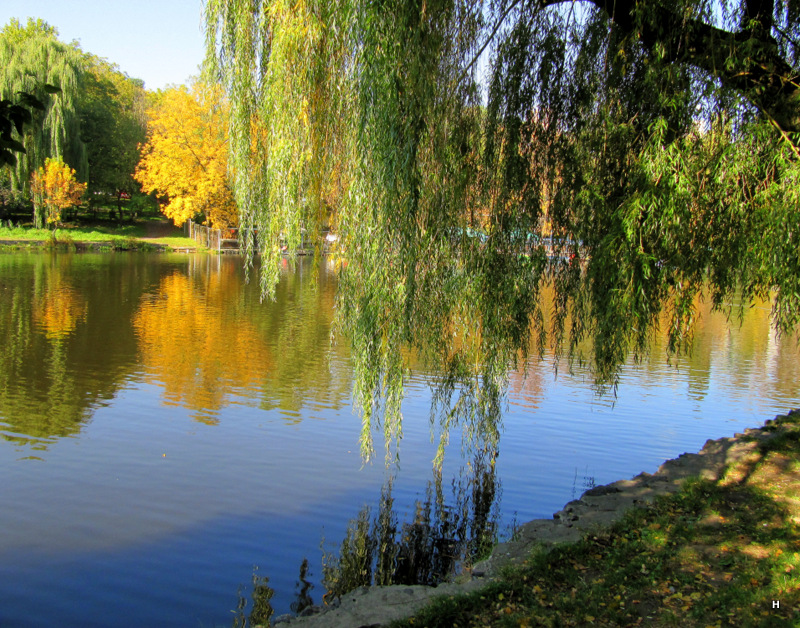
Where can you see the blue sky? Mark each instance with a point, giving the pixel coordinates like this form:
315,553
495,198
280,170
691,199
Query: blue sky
159,41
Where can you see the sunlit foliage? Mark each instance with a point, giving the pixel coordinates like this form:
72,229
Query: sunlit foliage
185,160
654,143
31,57
54,189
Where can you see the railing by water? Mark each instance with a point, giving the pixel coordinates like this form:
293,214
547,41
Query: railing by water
221,240
227,240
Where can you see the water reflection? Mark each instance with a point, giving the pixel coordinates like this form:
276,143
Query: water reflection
116,519
303,599
58,362
79,327
260,611
192,343
207,340
733,347
449,530
445,533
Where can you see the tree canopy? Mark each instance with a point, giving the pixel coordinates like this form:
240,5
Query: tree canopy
94,122
31,57
185,159
655,141
113,125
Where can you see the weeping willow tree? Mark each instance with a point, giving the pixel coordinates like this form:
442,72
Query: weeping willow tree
32,57
655,141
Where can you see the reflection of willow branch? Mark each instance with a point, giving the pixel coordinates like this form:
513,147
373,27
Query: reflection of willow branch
303,600
588,482
262,608
474,402
300,332
428,550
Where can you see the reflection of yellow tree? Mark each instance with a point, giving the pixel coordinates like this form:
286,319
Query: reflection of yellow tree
59,309
743,348
741,345
199,353
527,386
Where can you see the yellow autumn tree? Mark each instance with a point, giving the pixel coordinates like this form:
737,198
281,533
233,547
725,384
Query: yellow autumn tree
54,188
185,160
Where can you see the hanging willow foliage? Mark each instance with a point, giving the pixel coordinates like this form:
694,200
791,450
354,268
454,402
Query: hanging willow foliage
30,58
653,145
275,61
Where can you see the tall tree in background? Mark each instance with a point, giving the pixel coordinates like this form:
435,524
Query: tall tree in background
185,160
113,125
31,56
661,140
95,123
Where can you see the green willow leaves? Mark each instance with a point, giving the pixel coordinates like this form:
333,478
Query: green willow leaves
468,155
30,58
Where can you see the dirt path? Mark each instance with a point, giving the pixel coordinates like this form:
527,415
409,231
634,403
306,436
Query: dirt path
159,229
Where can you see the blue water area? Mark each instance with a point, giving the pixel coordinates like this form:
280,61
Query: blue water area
165,433
191,578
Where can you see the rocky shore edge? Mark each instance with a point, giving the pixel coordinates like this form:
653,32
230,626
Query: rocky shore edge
599,507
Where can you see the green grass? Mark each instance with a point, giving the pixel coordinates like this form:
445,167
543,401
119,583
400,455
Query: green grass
715,554
76,234
119,237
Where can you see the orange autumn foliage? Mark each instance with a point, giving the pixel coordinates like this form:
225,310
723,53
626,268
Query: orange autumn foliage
59,307
185,160
54,189
200,354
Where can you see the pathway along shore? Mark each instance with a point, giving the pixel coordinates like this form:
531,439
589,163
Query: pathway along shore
597,508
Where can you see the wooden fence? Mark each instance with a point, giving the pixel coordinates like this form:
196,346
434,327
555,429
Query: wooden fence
227,240
220,240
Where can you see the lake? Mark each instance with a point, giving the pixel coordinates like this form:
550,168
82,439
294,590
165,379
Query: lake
165,435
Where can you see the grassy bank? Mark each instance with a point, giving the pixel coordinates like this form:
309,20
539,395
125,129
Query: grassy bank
135,235
718,553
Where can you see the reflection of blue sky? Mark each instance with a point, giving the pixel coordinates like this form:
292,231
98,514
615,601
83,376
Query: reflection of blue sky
137,472
146,502
135,528
185,579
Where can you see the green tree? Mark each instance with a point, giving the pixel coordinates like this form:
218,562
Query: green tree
113,125
31,57
656,140
95,124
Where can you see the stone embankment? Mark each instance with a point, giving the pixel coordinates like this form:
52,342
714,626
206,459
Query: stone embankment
372,607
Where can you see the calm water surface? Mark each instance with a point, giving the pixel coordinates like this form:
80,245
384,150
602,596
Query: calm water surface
164,432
